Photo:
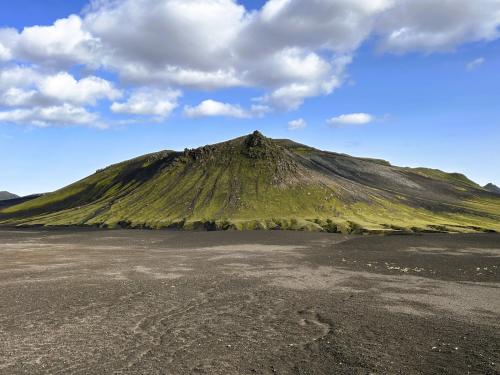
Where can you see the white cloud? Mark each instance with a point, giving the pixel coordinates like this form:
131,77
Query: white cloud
62,44
290,50
430,25
5,53
18,86
291,96
337,25
474,64
66,88
297,124
162,36
18,76
14,97
210,108
260,110
351,119
202,34
40,99
188,78
7,40
151,103
25,86
294,76
288,65
44,116
222,45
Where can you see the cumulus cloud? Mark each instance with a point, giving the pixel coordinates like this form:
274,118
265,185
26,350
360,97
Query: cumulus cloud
290,96
211,108
5,53
14,97
290,50
151,103
176,41
259,110
297,124
430,26
18,76
336,25
25,86
187,78
66,88
351,119
259,49
62,44
198,32
474,64
44,116
214,49
7,40
33,97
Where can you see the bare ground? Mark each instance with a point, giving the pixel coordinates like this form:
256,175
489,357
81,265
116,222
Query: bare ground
161,302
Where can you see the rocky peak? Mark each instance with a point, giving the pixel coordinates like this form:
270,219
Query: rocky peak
256,139
258,146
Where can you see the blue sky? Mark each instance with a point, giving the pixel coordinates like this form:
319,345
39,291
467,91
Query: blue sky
420,100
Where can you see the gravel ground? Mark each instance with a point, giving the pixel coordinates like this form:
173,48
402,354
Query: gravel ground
166,302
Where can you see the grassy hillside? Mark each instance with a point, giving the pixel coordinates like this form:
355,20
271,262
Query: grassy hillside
254,182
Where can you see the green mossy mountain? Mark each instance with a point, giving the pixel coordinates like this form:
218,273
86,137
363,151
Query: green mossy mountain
254,182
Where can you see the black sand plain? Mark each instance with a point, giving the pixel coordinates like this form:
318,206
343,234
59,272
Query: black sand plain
166,302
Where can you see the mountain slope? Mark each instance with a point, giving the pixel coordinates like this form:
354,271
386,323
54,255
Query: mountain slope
254,182
18,200
492,188
5,195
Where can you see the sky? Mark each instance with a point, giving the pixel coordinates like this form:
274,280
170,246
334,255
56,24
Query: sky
84,84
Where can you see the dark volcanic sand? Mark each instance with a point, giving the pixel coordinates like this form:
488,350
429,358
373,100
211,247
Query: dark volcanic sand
159,302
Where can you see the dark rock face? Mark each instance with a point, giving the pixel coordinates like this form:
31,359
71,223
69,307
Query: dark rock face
256,139
257,146
492,188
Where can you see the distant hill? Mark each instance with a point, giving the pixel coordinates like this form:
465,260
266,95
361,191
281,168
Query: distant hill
5,195
492,188
254,182
11,202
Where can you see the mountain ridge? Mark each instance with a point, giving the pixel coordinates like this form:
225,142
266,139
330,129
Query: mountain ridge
255,182
492,188
5,195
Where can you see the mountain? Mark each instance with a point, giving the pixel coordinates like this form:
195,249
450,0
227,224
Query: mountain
492,188
254,182
14,201
5,195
